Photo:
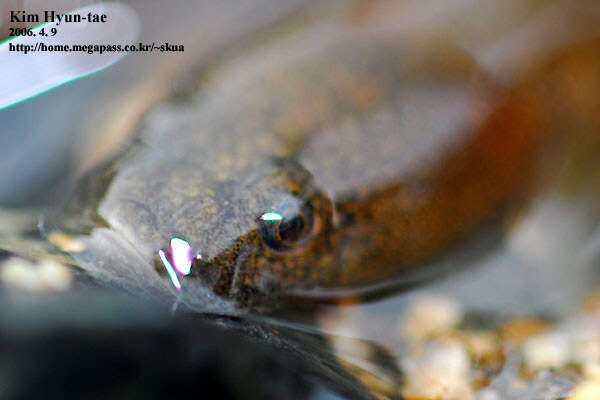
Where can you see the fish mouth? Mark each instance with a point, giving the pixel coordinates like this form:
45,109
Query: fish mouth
225,274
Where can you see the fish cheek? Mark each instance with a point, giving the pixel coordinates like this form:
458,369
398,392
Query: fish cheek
273,273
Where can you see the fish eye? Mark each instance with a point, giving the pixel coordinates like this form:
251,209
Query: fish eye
288,228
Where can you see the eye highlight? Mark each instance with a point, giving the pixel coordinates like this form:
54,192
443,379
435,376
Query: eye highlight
285,230
271,216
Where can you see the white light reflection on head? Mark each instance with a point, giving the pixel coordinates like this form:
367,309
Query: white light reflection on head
271,216
181,255
170,270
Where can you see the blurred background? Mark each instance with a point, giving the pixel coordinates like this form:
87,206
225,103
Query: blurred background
49,135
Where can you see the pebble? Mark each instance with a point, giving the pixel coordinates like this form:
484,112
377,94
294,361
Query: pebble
518,331
481,344
47,276
429,315
546,351
54,276
442,372
591,370
589,390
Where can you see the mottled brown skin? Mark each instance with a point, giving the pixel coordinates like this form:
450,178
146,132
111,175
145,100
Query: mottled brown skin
399,154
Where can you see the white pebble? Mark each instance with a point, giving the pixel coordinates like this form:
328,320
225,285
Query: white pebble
20,274
488,394
429,315
546,351
442,372
591,370
54,276
47,276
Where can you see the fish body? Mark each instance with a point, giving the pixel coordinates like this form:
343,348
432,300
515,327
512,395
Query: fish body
325,162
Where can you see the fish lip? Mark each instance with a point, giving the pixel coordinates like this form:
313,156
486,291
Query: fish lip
229,285
223,274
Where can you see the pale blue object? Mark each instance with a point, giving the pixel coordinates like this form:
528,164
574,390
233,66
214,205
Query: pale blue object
23,76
